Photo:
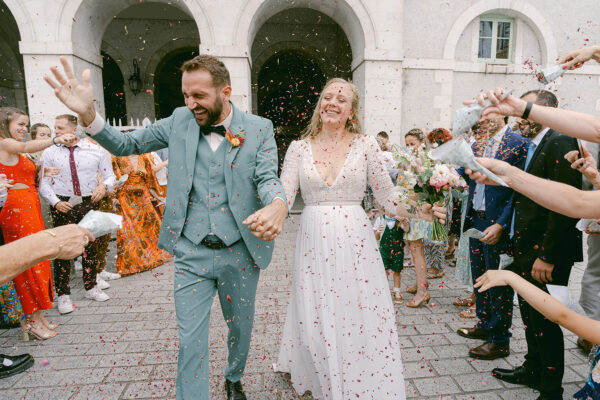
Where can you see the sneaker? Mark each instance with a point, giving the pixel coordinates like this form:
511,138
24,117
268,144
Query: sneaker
96,294
109,276
101,283
78,266
65,305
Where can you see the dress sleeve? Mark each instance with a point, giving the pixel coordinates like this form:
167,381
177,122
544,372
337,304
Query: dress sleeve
290,178
378,177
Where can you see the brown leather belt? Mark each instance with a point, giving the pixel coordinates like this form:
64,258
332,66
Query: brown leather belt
479,213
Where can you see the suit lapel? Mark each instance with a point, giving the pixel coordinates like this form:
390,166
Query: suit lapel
191,147
236,126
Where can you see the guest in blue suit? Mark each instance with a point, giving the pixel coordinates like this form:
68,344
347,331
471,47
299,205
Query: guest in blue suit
489,210
222,177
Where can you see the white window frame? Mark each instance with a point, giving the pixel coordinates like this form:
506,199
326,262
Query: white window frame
495,19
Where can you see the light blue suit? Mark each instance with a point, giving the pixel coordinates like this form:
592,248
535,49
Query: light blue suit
210,192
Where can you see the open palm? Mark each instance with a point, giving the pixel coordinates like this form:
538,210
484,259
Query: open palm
78,97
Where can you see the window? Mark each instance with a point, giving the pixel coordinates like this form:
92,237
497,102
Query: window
495,39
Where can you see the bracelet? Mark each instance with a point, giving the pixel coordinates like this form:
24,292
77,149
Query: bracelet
60,246
54,141
527,110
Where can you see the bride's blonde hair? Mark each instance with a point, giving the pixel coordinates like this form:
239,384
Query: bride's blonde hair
353,124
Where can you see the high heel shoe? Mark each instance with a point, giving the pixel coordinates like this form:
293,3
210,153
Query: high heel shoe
51,326
36,331
412,303
413,289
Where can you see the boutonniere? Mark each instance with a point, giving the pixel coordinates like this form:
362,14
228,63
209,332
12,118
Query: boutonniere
236,139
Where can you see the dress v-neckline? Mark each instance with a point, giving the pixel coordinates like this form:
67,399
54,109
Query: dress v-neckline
312,157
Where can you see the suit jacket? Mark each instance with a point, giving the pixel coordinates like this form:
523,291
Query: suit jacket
250,170
498,199
539,232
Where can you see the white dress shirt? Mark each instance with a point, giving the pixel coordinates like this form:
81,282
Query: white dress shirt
89,160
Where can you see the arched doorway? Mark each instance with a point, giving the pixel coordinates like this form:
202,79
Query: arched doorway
12,81
114,91
167,81
288,90
294,53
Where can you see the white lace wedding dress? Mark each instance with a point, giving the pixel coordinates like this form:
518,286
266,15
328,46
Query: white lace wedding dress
340,340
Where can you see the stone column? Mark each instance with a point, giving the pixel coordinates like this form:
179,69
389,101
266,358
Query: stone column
37,60
237,62
380,86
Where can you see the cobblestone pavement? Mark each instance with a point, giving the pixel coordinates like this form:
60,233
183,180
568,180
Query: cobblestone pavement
127,347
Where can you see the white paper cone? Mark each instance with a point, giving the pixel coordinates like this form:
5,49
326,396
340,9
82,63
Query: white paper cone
467,116
101,223
459,153
550,74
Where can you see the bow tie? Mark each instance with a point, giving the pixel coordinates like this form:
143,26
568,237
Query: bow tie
207,130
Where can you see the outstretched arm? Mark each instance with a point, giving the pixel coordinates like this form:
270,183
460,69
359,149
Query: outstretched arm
543,302
64,242
555,196
571,123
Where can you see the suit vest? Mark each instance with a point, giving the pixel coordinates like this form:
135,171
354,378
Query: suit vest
208,210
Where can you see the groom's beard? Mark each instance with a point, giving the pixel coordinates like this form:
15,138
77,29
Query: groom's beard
531,130
213,113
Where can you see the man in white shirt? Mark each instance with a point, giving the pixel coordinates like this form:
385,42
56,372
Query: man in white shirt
72,193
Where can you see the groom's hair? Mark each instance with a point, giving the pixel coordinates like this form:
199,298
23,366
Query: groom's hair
214,66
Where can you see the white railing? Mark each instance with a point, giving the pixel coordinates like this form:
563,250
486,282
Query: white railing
133,125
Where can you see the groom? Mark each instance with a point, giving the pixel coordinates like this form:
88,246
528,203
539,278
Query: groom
222,175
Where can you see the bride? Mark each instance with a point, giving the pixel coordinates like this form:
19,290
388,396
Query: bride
340,339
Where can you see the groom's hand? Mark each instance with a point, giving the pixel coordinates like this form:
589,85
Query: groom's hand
267,222
78,97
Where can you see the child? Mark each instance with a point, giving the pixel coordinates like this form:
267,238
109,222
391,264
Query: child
389,232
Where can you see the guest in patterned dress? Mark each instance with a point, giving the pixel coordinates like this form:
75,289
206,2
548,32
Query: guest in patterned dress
137,249
416,236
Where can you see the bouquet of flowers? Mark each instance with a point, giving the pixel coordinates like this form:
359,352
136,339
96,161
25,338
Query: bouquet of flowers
431,180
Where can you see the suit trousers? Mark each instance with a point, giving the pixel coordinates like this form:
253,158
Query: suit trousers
62,268
545,344
494,306
590,284
201,272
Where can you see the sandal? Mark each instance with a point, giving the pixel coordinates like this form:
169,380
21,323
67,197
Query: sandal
449,254
434,273
398,298
468,313
460,302
38,331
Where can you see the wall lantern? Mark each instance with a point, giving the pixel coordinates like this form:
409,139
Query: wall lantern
135,83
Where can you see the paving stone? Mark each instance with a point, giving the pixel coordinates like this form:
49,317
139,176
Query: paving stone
477,381
451,367
129,374
436,386
106,391
152,389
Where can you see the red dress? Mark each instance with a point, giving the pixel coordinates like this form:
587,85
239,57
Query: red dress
22,216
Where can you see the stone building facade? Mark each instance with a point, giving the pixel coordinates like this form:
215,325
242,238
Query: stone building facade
413,61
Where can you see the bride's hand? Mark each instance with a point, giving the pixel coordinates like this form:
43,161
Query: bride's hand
427,212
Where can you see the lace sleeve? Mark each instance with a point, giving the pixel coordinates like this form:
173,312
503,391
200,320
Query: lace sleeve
290,172
378,177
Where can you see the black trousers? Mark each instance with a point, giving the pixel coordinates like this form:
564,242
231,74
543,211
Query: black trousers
545,343
62,268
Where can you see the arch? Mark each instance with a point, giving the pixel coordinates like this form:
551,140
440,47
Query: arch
521,9
302,47
23,19
74,10
167,77
350,15
162,52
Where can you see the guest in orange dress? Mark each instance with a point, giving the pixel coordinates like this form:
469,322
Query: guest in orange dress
137,249
22,216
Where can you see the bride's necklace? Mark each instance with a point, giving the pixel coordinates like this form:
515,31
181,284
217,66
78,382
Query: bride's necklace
337,142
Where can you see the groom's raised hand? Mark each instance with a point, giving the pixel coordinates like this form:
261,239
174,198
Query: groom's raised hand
78,97
267,222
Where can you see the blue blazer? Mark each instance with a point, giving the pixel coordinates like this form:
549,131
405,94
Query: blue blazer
498,199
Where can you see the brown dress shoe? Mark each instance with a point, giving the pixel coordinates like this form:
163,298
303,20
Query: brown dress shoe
473,333
489,351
